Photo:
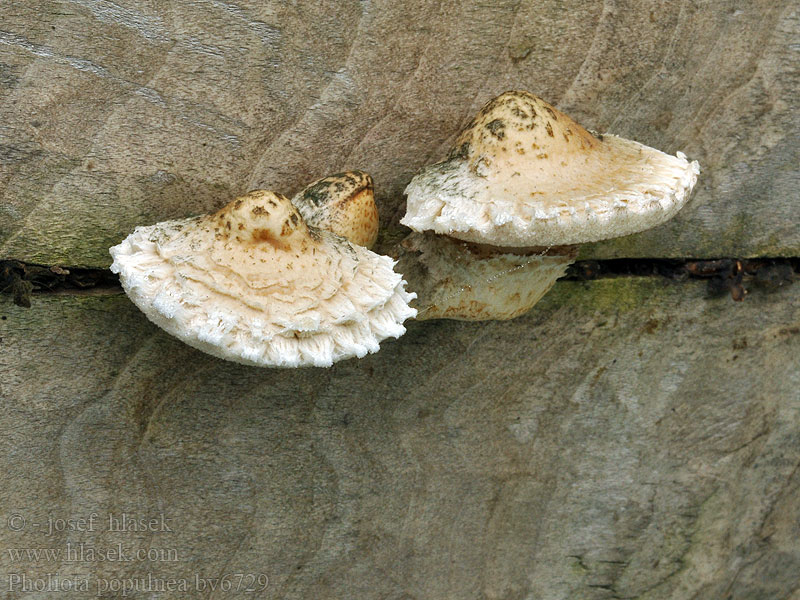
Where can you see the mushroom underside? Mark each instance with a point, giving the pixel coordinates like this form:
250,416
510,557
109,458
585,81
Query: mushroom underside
455,280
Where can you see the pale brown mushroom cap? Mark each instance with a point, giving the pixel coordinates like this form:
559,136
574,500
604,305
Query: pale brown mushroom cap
523,173
344,204
254,284
457,280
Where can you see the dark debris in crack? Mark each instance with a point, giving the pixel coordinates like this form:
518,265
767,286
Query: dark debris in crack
732,276
22,280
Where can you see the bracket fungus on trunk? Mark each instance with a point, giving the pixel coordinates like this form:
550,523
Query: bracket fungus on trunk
472,282
522,174
253,283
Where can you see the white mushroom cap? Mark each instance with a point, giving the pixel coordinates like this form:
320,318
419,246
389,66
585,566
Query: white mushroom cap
254,284
344,204
523,173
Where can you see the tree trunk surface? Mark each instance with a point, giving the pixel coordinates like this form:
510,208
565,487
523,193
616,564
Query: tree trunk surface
116,115
630,437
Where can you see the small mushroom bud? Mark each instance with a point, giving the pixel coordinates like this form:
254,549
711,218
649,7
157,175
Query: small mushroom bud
253,283
344,204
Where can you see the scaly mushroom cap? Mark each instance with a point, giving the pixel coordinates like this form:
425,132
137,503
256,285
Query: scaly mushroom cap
523,173
344,204
457,280
254,284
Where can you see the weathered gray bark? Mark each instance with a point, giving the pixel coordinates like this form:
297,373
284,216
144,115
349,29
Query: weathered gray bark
628,438
117,114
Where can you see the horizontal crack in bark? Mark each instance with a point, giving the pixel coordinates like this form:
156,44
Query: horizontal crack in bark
724,275
23,279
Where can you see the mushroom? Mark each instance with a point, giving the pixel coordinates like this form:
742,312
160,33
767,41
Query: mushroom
344,204
522,173
471,282
525,180
253,283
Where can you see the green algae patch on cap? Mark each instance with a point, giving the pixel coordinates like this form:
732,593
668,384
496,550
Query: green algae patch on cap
253,283
344,204
522,173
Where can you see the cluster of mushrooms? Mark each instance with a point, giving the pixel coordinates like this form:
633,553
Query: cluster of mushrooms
269,281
